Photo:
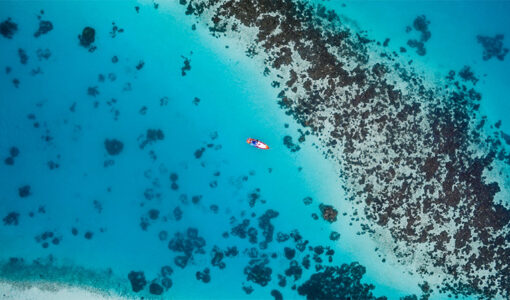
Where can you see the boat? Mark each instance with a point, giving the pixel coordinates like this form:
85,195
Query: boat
257,144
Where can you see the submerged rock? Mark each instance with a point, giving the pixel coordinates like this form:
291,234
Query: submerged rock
23,57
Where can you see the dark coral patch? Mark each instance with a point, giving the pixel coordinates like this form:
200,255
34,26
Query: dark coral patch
493,46
166,271
8,28
204,275
153,214
198,153
167,283
113,146
289,253
152,136
334,236
277,295
137,280
155,289
287,141
307,200
9,161
88,235
177,213
338,283
23,57
186,67
258,272
267,227
87,37
24,191
14,151
328,212
44,27
12,218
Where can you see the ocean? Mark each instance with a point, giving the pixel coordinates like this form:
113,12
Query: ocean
125,171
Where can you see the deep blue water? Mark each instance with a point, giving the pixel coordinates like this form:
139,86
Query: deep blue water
60,118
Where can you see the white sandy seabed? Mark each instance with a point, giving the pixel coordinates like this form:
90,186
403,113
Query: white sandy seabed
49,291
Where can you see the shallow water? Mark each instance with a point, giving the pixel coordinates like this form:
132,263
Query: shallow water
78,212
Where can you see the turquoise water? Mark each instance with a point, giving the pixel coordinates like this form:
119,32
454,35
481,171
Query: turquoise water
115,213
